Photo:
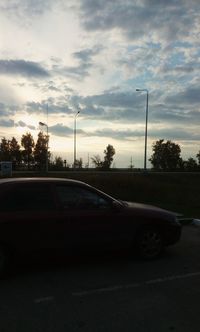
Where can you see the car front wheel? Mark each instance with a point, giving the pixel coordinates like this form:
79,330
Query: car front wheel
150,243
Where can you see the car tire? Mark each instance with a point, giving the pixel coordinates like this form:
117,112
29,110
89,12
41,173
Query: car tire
149,242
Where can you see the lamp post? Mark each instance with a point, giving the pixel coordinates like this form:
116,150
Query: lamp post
44,124
146,124
75,138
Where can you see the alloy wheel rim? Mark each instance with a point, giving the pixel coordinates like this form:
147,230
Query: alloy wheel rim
151,243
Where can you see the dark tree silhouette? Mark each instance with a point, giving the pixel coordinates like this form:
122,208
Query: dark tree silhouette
166,155
96,160
5,150
190,164
198,157
40,150
109,152
15,152
28,144
108,158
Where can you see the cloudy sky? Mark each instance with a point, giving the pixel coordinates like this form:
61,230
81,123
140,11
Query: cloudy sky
91,56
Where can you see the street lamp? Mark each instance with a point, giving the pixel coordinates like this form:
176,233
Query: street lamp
147,110
75,138
44,124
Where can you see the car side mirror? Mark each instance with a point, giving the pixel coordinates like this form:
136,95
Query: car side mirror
116,205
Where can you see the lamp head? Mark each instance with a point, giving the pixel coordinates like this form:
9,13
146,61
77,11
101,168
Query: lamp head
142,90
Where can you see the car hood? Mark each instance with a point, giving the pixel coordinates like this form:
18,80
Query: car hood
148,210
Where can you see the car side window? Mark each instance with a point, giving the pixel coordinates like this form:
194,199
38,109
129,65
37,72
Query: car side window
27,196
77,197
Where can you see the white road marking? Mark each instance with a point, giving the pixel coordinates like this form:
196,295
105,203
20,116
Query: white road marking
44,299
135,285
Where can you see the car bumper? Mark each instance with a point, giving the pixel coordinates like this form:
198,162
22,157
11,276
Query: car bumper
173,234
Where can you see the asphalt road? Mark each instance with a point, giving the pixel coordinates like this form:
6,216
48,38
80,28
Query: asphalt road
107,293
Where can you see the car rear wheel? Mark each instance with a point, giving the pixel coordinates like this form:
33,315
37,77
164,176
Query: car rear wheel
150,243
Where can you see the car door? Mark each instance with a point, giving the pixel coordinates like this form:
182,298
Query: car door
29,214
88,219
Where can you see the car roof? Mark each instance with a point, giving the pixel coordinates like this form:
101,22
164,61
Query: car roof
40,179
51,180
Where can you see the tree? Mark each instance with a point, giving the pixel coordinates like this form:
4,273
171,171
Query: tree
40,150
191,164
15,152
59,162
27,143
108,158
166,156
198,157
79,163
5,150
96,160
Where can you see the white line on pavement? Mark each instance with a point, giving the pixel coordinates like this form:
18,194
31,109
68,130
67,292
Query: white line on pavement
135,285
44,299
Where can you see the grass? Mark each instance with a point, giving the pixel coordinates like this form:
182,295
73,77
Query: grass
179,192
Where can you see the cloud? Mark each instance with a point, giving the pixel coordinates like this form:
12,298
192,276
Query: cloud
115,106
183,109
125,107
22,68
3,110
54,107
7,123
20,124
86,55
47,86
35,107
53,88
189,97
187,69
174,134
25,8
112,48
137,19
63,131
125,134
79,72
85,64
8,110
23,124
114,99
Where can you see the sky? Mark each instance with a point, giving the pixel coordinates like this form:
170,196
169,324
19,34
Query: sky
61,57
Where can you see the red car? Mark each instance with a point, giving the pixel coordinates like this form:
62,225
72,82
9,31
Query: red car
60,215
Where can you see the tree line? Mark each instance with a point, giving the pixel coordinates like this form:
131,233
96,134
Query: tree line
28,154
167,157
34,155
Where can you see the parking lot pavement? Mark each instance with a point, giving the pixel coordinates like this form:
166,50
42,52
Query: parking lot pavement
112,293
